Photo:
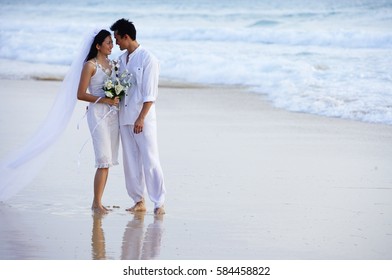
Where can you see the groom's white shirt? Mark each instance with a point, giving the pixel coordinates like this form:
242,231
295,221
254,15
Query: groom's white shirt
144,68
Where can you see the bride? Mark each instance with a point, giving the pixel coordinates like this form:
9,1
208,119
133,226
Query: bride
102,119
89,69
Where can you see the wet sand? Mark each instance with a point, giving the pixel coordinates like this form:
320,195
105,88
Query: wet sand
244,180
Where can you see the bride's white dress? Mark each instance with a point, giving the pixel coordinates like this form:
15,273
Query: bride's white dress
103,124
21,166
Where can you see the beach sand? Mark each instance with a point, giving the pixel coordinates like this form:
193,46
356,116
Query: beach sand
244,181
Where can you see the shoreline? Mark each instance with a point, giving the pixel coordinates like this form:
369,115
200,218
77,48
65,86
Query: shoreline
245,181
165,83
56,73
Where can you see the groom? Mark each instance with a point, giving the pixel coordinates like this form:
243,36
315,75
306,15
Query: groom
142,167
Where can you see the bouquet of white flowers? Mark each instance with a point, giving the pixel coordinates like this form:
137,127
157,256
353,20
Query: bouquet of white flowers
118,86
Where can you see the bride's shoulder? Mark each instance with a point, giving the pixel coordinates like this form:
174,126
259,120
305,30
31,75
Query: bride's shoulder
90,64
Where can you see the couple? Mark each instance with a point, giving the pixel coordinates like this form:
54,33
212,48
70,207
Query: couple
135,120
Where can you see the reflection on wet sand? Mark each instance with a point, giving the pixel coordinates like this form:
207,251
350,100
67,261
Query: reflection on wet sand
98,238
138,243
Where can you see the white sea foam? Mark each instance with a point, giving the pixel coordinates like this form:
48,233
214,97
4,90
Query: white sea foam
327,57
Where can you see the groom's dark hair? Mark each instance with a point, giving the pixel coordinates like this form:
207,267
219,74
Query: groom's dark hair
124,26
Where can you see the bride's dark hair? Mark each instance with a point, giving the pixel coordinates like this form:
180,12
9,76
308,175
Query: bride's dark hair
98,39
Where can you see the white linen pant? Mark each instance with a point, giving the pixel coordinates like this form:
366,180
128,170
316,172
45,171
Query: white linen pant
142,166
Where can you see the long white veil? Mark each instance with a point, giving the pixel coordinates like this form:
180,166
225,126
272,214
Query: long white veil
19,168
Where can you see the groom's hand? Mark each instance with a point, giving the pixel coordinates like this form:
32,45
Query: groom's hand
138,126
139,123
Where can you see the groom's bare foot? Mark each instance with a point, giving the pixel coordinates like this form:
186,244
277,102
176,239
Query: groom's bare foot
138,207
159,210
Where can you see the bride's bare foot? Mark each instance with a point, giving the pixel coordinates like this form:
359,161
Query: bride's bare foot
99,209
107,208
159,210
138,207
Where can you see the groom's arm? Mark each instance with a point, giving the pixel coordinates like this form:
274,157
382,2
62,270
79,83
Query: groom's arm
139,123
149,90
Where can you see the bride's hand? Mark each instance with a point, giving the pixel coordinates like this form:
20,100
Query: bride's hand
112,102
116,101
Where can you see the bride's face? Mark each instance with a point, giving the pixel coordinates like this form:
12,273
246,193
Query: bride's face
107,46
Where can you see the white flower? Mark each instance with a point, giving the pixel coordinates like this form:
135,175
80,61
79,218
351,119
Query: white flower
108,84
118,88
123,75
109,94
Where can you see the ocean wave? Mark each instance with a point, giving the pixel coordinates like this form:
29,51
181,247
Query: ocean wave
264,22
338,39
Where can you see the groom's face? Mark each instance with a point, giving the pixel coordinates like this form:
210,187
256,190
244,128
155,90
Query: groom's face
120,41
